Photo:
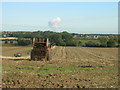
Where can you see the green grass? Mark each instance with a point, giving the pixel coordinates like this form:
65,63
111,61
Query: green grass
14,42
44,69
53,69
12,68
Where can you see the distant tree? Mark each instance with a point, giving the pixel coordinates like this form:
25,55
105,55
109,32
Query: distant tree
111,43
103,40
22,42
6,41
80,43
119,39
57,39
11,41
92,44
71,43
66,36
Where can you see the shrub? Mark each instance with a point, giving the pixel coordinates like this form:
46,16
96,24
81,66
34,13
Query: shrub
111,43
24,42
103,40
6,41
92,44
11,41
71,43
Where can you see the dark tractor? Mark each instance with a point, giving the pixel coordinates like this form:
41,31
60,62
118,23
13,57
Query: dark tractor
41,49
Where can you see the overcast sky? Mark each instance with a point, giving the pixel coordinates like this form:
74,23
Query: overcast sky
77,17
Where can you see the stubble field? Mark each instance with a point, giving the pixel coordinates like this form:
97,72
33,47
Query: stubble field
70,67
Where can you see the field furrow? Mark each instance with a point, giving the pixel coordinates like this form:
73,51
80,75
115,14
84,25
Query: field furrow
70,67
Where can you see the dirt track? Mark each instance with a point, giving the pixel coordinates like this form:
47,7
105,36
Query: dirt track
70,67
96,55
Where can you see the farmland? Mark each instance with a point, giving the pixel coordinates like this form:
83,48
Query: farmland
70,67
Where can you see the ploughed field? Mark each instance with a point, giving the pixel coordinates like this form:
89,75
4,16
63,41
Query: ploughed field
70,67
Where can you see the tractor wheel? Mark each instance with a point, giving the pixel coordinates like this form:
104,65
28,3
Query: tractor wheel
32,54
48,56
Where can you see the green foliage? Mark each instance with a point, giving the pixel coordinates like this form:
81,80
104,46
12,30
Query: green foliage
92,44
119,40
111,43
103,40
22,42
118,45
6,41
66,36
53,69
114,39
66,39
11,41
60,39
57,38
71,43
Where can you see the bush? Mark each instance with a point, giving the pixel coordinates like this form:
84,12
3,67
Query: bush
103,44
111,43
6,41
118,45
24,42
92,44
71,43
11,41
80,43
103,40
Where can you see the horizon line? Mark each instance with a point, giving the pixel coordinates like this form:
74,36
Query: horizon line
55,31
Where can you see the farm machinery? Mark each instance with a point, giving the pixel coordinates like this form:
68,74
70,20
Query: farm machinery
18,54
41,49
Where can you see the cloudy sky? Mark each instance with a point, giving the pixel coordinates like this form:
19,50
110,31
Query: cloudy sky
77,17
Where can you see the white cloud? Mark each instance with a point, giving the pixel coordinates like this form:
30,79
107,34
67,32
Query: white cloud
54,23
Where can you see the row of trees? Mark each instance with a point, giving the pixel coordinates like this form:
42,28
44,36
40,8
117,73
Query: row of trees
104,41
60,39
21,42
64,39
9,41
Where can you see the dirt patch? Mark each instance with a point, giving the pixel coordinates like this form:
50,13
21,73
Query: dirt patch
70,67
15,58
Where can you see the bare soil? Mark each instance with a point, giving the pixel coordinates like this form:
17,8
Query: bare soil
70,67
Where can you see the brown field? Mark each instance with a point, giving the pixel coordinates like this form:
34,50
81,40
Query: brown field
70,67
1,38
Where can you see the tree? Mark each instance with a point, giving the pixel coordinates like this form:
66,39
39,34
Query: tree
6,41
71,43
57,39
92,44
22,42
66,36
111,43
103,40
11,41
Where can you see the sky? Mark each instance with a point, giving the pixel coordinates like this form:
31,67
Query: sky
60,0
75,17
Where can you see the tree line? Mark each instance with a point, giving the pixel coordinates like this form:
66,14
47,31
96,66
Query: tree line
104,41
64,39
60,39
